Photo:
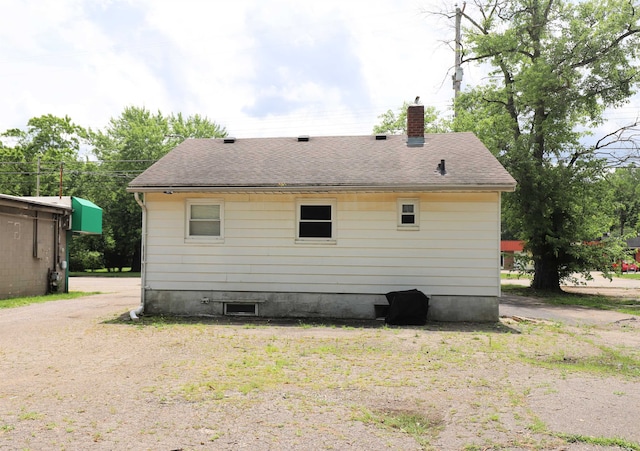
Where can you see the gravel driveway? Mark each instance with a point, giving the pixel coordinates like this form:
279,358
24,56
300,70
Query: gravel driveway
519,306
72,378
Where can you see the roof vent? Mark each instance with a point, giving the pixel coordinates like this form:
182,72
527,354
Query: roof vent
441,169
229,140
381,137
303,138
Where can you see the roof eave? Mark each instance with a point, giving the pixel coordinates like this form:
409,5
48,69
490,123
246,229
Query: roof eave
321,188
26,203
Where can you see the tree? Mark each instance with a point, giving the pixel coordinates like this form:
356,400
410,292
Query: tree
396,123
126,147
34,163
624,185
555,66
194,126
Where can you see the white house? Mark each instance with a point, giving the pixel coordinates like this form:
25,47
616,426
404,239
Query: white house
323,226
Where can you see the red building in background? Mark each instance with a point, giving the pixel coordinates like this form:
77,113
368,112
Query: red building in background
508,250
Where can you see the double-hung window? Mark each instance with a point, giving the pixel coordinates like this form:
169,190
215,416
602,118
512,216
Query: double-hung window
204,220
316,220
408,214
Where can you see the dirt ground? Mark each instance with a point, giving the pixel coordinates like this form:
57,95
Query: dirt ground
74,377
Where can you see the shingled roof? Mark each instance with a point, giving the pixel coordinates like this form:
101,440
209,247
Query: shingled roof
326,164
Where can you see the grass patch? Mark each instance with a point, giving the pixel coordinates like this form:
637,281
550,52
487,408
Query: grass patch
126,272
600,441
609,362
421,427
626,275
21,302
31,416
515,275
595,301
555,347
537,426
6,428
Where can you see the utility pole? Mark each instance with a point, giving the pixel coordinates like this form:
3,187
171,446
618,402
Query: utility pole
38,178
457,74
61,170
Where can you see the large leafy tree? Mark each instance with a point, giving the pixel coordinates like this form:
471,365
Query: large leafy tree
555,66
33,160
126,147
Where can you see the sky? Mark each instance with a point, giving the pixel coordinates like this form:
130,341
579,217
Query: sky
259,68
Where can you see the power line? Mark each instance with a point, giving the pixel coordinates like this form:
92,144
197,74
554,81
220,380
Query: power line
70,172
99,162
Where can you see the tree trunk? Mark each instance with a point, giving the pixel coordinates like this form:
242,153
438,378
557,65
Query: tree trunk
546,275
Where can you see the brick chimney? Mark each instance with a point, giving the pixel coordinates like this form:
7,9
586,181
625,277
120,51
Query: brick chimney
415,125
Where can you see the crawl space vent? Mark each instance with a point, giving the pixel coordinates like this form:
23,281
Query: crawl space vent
241,308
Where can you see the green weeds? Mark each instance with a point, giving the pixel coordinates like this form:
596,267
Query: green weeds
423,428
579,354
30,416
126,272
600,441
21,302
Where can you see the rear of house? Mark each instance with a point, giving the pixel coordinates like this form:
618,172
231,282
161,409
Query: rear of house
322,226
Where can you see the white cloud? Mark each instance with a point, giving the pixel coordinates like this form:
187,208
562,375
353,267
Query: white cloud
274,68
89,60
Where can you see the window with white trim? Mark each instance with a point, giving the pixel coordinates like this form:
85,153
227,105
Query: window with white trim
408,214
204,219
316,220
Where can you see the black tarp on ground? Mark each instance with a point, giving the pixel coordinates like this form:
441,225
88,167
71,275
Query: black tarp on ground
407,308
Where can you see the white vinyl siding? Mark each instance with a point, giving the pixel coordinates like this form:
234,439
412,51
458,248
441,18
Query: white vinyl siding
454,252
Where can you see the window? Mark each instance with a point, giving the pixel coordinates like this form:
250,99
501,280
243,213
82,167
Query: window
316,220
408,214
204,220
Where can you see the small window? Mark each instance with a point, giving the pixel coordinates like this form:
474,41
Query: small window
408,214
204,219
316,220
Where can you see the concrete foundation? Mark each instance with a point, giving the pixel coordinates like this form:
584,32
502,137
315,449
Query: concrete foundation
464,308
312,305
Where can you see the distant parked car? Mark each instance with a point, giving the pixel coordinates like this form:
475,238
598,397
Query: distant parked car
626,267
